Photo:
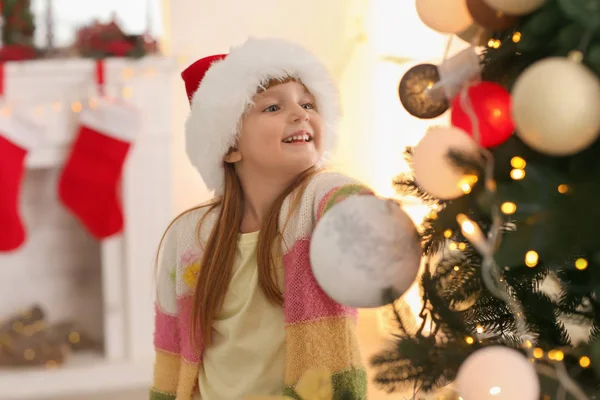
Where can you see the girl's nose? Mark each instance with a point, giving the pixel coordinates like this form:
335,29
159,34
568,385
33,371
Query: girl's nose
299,114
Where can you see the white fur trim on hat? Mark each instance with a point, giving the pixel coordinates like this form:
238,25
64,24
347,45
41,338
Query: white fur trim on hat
226,92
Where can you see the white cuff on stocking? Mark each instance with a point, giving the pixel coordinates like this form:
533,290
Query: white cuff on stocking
21,130
116,119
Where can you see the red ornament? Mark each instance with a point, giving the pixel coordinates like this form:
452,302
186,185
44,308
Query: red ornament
492,105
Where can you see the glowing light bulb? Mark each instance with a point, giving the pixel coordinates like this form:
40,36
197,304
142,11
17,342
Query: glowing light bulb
531,258
516,37
559,356
508,208
585,362
562,189
581,264
517,174
150,72
448,233
473,233
127,73
517,162
469,340
467,226
538,353
467,183
556,355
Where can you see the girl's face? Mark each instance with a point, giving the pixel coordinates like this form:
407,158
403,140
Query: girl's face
281,134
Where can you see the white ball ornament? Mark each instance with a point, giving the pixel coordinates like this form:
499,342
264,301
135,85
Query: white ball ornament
497,373
515,7
434,173
555,106
363,250
445,16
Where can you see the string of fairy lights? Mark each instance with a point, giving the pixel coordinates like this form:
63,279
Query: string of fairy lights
427,103
123,88
490,270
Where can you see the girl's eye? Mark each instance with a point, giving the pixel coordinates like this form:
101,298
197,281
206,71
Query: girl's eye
272,108
308,106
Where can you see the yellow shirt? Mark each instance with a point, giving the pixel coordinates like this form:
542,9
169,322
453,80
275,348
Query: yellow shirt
246,355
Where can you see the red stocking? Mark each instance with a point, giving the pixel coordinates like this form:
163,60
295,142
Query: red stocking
89,183
17,137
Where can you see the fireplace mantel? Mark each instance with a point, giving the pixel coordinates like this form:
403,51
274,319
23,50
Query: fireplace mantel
53,92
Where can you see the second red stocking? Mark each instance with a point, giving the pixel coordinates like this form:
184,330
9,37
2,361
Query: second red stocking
89,183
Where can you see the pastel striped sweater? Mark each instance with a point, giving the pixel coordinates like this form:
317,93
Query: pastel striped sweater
319,331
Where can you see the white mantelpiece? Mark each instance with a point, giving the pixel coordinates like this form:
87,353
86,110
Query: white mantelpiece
107,286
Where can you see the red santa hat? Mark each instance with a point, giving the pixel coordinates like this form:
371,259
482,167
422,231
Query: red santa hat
221,87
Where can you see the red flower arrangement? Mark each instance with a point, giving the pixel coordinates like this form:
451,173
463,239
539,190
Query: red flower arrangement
99,40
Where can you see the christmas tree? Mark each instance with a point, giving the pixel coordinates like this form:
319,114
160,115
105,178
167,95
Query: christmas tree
511,278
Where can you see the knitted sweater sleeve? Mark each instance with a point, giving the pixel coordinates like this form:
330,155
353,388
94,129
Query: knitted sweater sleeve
166,331
332,188
178,358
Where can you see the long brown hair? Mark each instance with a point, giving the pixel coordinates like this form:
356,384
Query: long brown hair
216,266
220,249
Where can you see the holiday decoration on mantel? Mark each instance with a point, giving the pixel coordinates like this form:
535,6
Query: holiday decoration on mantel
18,30
19,133
98,40
90,180
28,340
511,251
17,136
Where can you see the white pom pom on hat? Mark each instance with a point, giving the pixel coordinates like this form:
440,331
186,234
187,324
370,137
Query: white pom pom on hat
221,87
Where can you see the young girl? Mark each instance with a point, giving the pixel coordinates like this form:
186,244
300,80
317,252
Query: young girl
238,309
